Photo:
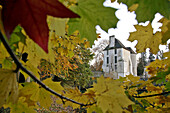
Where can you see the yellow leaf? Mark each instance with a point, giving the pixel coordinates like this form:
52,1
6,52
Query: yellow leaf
133,7
57,25
94,108
153,110
35,52
21,107
113,0
164,22
76,95
146,39
54,85
37,93
70,54
3,53
158,65
166,35
110,95
8,87
28,65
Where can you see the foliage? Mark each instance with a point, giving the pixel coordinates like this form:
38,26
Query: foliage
148,8
98,58
71,62
37,27
90,13
67,54
146,38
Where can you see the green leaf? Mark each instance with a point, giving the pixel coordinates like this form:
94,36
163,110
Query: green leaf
7,64
148,8
167,86
161,76
92,13
17,35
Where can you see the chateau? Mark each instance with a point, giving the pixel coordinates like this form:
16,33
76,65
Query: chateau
118,60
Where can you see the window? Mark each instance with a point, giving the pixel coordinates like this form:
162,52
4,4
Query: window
115,59
107,52
107,60
115,67
115,51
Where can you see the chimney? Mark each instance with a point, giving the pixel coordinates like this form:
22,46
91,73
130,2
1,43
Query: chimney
112,41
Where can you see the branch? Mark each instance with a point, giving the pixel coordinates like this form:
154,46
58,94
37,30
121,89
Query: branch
20,66
151,95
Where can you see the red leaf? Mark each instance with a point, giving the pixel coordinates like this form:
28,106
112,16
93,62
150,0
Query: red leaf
32,15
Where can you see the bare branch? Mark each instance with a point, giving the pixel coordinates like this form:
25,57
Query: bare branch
152,95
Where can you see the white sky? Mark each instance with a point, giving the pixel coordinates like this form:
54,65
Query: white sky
125,25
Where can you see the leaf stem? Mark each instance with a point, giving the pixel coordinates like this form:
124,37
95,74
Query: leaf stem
20,66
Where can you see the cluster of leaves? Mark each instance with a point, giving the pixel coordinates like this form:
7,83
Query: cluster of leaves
66,56
71,61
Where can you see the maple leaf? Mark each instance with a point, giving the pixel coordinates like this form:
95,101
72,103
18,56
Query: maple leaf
35,53
32,15
57,25
112,97
76,95
3,53
39,94
8,86
20,107
148,8
92,13
165,29
146,39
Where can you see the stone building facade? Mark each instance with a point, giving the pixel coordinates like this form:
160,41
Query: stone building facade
118,60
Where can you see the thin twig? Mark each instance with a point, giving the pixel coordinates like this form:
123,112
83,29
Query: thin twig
20,66
152,95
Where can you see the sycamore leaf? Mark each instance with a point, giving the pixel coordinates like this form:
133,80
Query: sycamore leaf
146,39
148,8
32,17
8,86
92,13
112,98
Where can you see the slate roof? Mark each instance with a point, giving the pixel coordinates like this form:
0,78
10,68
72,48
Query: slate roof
118,44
